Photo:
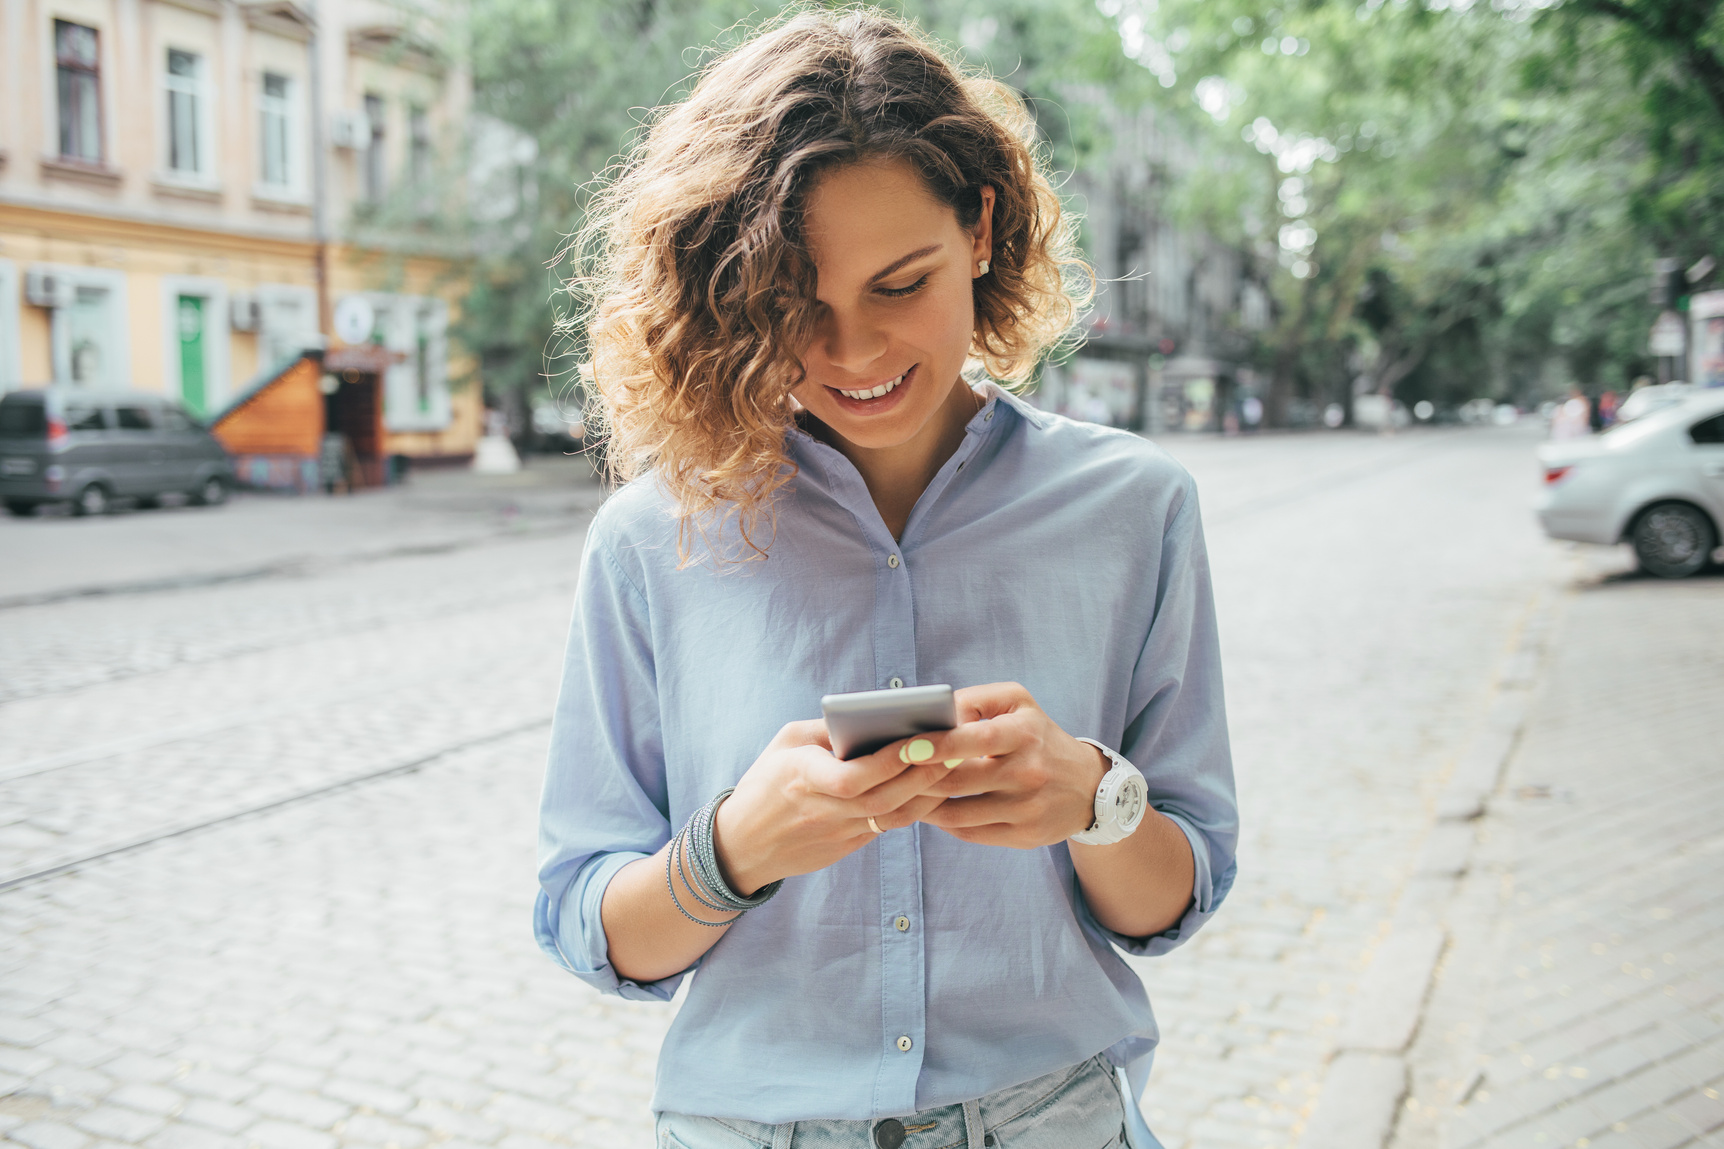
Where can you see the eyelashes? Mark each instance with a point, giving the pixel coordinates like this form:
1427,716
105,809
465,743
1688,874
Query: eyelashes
902,292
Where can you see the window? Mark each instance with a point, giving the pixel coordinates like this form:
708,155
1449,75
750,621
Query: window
23,418
419,155
422,363
90,333
136,418
186,145
1708,430
174,419
275,130
79,75
86,419
374,115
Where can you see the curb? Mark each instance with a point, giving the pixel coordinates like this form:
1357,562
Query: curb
1367,1076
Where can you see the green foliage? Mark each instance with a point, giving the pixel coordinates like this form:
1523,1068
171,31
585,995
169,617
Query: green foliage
1446,201
1499,180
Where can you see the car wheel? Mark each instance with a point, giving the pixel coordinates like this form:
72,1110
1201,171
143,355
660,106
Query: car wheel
23,508
212,492
93,500
1673,540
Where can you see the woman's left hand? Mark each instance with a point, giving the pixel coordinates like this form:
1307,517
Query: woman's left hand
1019,780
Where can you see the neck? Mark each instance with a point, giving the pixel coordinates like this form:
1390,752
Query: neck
896,476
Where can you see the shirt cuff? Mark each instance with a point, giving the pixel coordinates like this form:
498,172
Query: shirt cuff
572,931
1207,893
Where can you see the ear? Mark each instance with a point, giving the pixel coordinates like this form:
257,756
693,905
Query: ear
982,246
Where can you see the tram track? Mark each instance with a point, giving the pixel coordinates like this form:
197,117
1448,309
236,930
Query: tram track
65,864
481,600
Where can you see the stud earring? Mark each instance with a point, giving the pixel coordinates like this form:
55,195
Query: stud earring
982,267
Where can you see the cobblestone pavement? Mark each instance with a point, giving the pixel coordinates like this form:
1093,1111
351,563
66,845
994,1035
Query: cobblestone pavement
357,968
1582,1003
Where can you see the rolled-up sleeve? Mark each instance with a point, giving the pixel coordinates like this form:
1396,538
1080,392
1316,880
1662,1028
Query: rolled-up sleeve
604,803
1176,730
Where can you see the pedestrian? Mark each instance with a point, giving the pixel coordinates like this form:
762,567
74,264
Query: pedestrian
1573,417
1607,410
920,946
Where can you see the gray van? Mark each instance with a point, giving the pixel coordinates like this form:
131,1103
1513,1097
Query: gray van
87,448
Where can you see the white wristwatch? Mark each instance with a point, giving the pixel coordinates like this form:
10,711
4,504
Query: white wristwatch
1120,801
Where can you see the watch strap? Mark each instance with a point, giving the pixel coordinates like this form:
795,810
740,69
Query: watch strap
1099,832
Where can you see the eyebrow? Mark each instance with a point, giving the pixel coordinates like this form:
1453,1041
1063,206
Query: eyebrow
902,260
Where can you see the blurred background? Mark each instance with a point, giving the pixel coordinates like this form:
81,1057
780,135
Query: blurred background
1425,293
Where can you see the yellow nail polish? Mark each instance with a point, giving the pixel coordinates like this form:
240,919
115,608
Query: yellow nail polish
920,750
901,757
953,763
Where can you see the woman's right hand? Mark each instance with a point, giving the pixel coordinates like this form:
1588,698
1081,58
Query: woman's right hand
799,808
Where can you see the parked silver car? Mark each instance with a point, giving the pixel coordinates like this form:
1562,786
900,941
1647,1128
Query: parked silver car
60,445
1656,482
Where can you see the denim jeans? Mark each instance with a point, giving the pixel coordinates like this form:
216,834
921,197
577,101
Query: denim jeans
1076,1108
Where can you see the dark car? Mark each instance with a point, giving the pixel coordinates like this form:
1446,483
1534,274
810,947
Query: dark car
60,445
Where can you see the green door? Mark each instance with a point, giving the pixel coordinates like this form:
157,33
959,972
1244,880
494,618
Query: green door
191,320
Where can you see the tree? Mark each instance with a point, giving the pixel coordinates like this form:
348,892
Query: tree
577,80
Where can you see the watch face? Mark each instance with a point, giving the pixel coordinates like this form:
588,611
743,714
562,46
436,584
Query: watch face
1128,801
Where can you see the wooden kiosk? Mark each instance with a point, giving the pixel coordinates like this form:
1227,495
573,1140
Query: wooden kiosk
277,426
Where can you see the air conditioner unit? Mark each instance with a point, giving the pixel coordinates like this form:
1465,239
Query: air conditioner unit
243,311
350,130
48,289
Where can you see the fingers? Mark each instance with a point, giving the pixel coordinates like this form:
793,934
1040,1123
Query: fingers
975,776
977,738
990,701
915,810
828,775
981,810
911,784
809,733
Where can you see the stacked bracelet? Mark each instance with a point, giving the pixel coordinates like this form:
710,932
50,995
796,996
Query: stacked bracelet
693,853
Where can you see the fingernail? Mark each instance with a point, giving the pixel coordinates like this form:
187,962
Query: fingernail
901,757
920,750
952,763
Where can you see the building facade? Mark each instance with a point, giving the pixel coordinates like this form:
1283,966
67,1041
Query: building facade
179,184
1174,307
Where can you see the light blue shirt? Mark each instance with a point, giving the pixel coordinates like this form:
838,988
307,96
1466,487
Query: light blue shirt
1060,555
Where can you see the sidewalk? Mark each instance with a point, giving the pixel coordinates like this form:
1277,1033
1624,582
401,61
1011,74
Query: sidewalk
1581,999
260,534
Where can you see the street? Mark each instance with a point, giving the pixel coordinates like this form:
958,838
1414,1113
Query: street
268,790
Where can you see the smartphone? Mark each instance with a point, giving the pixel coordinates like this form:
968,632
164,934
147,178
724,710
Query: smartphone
863,722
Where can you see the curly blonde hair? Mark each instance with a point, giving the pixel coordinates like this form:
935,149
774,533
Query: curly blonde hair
696,289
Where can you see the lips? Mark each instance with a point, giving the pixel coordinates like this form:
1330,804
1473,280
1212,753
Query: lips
877,399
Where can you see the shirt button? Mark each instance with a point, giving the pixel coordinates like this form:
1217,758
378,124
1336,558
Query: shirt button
988,418
904,1044
901,924
895,683
892,561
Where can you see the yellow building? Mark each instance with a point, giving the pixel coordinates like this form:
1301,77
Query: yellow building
172,173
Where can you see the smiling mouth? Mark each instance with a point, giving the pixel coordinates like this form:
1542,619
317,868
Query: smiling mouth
874,393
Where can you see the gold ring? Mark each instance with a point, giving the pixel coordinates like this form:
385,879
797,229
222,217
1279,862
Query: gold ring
874,826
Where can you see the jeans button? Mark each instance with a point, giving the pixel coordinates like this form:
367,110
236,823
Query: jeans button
889,1134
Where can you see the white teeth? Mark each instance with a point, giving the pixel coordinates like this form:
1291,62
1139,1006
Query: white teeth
876,392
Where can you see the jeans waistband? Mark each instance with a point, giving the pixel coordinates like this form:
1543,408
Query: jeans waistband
969,1125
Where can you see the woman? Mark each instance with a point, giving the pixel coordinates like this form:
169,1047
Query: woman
907,948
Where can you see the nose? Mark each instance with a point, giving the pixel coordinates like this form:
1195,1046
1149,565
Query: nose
849,341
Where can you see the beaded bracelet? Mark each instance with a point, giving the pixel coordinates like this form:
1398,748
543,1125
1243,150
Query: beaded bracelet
693,853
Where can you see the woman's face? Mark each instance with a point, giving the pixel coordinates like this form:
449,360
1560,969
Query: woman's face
895,312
